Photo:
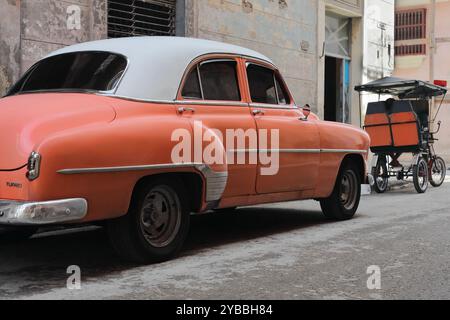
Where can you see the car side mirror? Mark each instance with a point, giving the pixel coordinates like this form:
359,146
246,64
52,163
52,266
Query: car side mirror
306,112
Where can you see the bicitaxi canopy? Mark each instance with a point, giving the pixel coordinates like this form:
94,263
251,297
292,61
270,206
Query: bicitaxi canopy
402,88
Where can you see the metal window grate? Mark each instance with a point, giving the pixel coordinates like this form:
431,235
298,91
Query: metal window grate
410,50
127,18
410,24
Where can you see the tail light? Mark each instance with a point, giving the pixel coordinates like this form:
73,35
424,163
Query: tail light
441,83
34,163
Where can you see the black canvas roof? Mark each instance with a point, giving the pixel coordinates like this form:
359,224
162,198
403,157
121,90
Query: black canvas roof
402,88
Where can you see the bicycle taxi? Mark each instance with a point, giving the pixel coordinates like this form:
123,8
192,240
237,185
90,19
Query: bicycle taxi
403,124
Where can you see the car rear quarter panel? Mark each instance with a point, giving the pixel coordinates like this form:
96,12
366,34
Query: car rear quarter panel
14,185
140,135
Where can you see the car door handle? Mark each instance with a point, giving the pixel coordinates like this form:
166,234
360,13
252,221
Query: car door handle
258,112
184,109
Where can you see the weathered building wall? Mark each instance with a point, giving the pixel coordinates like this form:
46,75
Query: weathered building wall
9,43
379,53
354,10
284,30
30,29
45,26
379,35
347,7
425,68
290,32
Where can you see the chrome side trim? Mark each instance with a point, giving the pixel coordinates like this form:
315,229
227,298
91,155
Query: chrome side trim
211,103
198,165
366,190
122,97
216,182
290,151
371,179
274,106
343,151
297,151
179,102
374,161
127,168
217,60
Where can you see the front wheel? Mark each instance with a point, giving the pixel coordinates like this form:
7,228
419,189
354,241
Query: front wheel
344,201
156,226
420,176
438,172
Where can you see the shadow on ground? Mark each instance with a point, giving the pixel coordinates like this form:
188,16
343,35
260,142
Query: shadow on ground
40,264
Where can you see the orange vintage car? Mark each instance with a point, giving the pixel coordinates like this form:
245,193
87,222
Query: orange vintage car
139,133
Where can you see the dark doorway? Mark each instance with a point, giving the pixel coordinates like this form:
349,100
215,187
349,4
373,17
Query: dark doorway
332,87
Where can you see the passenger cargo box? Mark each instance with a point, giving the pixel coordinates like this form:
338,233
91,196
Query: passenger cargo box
393,126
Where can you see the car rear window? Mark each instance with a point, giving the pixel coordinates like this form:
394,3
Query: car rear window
79,71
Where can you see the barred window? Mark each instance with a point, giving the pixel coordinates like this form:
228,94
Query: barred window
411,50
410,24
127,18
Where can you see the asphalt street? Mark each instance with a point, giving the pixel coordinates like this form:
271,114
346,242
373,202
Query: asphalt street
282,251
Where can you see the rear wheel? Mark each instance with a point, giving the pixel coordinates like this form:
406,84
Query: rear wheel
420,175
380,175
344,201
438,172
156,225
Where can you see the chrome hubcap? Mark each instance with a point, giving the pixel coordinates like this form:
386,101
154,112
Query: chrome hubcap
160,216
349,190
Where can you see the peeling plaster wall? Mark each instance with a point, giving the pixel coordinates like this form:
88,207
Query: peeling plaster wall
44,26
34,28
419,67
284,30
290,32
353,9
9,43
379,37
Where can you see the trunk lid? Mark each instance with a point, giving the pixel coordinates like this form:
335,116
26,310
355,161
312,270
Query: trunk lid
27,119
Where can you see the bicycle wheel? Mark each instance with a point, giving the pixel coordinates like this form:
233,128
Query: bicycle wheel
380,175
420,175
438,172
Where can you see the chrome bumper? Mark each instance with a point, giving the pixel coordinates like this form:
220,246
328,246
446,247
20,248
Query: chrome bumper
42,213
371,180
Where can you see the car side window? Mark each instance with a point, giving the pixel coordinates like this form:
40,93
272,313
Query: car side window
191,89
219,80
266,86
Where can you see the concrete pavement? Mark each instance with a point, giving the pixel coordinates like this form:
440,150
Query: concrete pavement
282,251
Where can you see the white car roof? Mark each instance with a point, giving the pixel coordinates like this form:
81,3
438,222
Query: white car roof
157,64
